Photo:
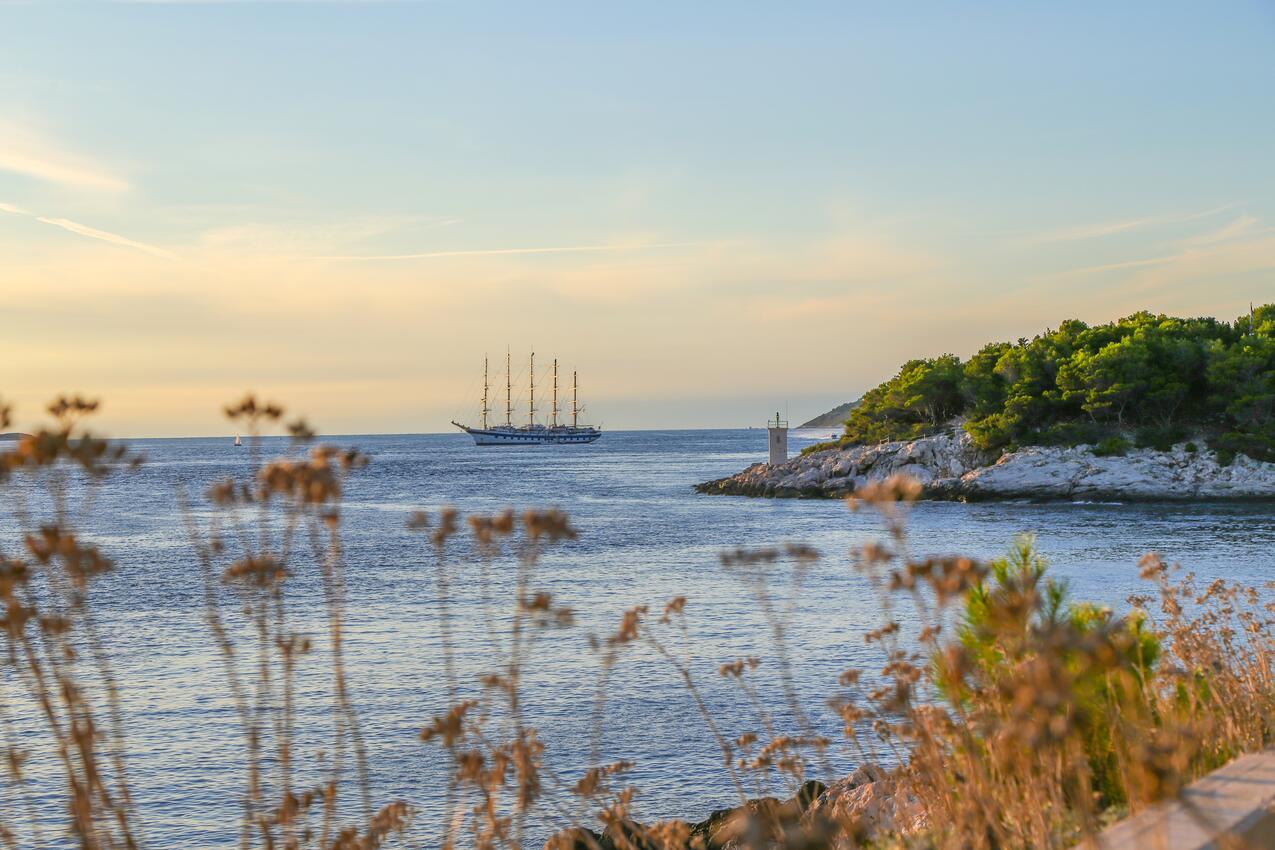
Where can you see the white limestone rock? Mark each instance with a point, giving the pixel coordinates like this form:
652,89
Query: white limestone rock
950,467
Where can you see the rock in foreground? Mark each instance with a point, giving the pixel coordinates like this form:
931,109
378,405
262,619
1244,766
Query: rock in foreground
865,806
760,823
949,466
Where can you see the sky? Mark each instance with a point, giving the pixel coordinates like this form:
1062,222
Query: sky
711,210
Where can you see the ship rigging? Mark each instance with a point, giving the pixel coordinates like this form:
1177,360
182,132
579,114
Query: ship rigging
533,433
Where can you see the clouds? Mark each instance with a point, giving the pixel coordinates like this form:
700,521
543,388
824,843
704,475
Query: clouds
90,232
106,236
497,252
1154,243
1241,260
28,154
1241,226
1179,271
1111,228
409,186
32,155
849,302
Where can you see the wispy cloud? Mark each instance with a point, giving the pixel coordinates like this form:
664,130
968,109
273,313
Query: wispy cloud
492,252
1238,233
1111,267
106,236
304,237
23,152
1240,227
1111,228
91,232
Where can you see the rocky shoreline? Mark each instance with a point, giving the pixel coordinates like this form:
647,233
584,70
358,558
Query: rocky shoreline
949,466
865,805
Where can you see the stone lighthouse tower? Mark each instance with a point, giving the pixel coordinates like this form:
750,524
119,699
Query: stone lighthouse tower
778,440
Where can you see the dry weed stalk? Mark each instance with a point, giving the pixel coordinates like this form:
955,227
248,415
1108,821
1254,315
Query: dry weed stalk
1019,718
1056,717
57,668
264,529
497,773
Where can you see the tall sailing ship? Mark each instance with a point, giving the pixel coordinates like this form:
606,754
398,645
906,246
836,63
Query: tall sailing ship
533,433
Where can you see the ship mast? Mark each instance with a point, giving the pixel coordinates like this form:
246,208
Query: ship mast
509,404
486,409
575,410
554,421
531,413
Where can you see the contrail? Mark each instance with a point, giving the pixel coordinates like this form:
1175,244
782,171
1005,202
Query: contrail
488,252
91,232
106,236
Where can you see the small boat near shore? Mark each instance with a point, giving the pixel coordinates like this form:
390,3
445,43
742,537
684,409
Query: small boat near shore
533,433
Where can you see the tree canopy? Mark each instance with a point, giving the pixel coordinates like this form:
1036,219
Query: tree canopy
1155,379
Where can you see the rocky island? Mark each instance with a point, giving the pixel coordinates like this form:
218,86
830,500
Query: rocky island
949,466
1150,407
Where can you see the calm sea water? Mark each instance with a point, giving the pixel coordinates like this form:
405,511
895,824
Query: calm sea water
644,537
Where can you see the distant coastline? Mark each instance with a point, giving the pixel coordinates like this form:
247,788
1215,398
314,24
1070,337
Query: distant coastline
834,418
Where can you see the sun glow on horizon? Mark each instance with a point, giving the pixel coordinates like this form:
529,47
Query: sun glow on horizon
701,234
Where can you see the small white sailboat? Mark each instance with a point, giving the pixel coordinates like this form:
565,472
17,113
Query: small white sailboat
533,433
238,442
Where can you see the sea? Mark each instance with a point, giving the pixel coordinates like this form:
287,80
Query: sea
644,538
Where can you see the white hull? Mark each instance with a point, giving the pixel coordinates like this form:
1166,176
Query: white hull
530,436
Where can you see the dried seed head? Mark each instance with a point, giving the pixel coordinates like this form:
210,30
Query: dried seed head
488,529
675,607
450,727
551,525
446,526
264,572
630,626
300,431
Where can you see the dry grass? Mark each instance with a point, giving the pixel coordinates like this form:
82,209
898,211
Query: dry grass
1059,715
1020,718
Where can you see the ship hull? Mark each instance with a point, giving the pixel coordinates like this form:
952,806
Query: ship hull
531,437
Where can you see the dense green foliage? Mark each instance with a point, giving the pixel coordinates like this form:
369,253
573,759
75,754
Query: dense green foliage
1146,380
1015,611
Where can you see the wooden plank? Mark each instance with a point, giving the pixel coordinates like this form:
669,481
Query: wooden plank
1235,801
